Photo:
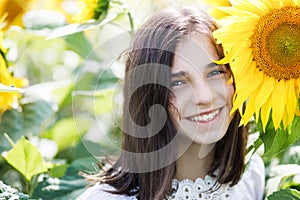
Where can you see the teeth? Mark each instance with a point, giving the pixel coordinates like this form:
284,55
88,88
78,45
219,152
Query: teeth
207,117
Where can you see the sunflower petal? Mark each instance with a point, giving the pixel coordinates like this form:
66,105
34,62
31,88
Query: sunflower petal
249,109
264,113
291,101
251,6
264,92
258,76
287,3
278,103
244,94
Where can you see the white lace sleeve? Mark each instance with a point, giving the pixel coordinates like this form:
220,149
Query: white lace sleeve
251,186
96,193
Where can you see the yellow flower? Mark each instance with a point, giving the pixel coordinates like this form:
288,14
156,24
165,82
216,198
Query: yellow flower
214,11
261,40
14,10
7,99
87,10
91,9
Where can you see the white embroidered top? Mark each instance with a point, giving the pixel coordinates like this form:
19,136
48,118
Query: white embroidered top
250,187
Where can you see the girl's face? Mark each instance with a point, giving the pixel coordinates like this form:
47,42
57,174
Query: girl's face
202,97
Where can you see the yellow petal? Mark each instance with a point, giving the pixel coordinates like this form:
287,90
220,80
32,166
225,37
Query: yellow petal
251,6
218,2
237,50
285,118
243,94
297,86
287,3
242,64
291,101
264,113
234,11
251,75
264,92
249,109
216,13
5,76
278,102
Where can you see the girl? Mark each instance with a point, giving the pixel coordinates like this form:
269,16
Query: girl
179,140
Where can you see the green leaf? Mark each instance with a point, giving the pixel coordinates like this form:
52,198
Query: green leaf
66,132
58,171
25,158
290,182
286,194
279,140
68,187
79,43
35,116
30,121
11,124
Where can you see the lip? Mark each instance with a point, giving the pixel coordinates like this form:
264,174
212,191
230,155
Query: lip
207,116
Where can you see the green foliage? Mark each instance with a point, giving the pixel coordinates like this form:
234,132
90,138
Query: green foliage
30,121
79,43
11,124
102,9
65,132
25,158
70,186
286,194
279,140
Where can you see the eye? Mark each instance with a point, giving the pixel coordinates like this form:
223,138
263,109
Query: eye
177,83
216,72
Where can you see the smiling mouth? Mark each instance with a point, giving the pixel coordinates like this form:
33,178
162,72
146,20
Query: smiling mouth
206,117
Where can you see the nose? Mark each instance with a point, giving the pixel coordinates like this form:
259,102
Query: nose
202,92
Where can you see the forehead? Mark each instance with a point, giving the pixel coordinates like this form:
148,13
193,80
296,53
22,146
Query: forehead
194,49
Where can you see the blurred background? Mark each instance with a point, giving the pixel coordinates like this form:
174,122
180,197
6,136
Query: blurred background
60,96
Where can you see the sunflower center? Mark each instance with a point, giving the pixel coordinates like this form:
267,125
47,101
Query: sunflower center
276,43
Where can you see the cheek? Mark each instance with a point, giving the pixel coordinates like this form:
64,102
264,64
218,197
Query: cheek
177,105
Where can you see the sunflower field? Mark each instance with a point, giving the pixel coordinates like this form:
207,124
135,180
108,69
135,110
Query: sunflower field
61,72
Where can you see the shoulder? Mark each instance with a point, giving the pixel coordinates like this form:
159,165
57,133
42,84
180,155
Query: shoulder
251,185
98,191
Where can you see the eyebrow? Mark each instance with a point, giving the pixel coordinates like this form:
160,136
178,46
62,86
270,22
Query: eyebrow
185,74
212,64
179,74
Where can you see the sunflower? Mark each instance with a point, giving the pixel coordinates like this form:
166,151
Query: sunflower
91,9
7,99
261,40
215,12
15,9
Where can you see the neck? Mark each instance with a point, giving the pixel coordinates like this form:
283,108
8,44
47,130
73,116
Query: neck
195,161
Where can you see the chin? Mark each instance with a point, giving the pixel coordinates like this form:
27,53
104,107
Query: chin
209,138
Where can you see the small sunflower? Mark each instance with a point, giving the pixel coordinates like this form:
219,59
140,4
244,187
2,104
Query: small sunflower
7,99
91,9
15,9
261,40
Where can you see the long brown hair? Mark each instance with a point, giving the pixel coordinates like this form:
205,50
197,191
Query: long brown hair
153,47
